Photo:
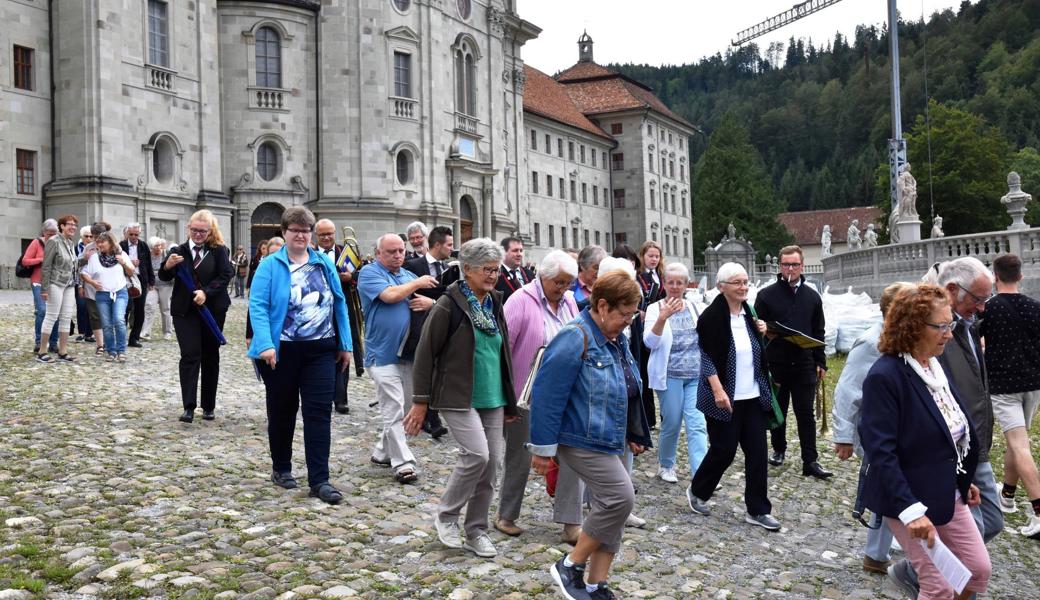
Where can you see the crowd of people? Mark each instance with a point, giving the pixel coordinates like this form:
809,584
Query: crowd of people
567,368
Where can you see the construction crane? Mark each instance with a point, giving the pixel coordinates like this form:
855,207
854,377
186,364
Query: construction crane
896,145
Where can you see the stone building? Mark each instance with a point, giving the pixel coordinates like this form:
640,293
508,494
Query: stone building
374,113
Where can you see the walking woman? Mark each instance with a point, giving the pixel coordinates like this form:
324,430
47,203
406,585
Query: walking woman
262,250
210,265
33,258
651,281
58,285
158,299
921,444
462,369
733,393
674,369
106,272
301,336
585,410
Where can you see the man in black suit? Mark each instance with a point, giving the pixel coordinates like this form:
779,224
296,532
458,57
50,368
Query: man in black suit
139,254
442,243
415,237
325,236
209,260
512,274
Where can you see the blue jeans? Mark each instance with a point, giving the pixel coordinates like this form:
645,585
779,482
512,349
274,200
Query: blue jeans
988,515
879,541
112,322
41,312
678,406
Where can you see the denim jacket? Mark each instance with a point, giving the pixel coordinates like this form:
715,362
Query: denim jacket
580,399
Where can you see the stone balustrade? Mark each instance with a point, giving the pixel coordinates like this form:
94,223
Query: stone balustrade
404,108
465,123
267,98
160,78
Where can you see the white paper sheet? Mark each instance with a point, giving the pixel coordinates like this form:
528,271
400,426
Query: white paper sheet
950,567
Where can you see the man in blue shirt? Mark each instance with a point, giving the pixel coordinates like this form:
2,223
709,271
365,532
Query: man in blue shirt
388,299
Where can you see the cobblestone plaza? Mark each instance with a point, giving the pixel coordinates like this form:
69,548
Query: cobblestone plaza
104,494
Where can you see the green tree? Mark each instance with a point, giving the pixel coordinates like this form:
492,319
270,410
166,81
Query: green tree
732,185
1026,162
969,166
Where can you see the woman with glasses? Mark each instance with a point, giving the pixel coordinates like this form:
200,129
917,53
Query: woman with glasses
733,393
301,336
463,370
586,409
921,443
209,265
58,285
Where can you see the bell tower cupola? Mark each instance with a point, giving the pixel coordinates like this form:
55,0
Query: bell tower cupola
585,47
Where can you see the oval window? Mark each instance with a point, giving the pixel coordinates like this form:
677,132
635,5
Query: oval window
267,161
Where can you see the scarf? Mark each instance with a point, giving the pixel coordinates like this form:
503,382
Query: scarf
939,387
482,314
107,260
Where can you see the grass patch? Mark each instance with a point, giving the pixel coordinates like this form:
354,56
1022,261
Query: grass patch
23,582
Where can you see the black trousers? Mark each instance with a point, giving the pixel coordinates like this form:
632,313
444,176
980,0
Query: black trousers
342,380
803,396
747,428
135,317
306,371
200,351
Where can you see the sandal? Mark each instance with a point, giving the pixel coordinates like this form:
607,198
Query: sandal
406,475
100,351
44,358
66,358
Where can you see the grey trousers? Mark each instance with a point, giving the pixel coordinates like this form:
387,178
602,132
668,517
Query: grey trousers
611,493
478,432
394,393
517,468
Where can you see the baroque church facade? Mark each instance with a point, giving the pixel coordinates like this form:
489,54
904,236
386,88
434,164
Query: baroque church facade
373,113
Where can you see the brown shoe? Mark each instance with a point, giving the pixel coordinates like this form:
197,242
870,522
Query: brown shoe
571,533
875,566
508,527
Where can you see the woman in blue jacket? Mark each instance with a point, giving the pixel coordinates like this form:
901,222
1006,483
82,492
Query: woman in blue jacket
301,335
585,409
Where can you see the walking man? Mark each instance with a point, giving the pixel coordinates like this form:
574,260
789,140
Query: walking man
513,274
140,255
795,370
387,299
325,234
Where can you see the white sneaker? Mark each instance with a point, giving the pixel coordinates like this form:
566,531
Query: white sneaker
1031,528
667,475
167,336
448,533
1007,505
481,546
633,521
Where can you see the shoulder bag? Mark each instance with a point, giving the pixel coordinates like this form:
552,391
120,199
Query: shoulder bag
774,417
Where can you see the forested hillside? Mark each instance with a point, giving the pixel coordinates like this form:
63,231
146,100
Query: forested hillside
818,111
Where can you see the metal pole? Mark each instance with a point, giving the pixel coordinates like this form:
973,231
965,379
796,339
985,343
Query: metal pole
896,145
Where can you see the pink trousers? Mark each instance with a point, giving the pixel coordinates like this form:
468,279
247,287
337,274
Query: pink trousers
962,537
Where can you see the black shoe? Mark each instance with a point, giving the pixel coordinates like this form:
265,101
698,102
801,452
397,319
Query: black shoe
777,458
814,469
570,579
603,592
89,339
135,344
427,427
188,416
342,408
326,493
438,432
207,415
284,480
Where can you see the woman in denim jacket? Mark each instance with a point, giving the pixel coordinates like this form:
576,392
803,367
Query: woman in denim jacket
585,410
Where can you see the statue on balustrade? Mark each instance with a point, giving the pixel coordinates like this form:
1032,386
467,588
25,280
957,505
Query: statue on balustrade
825,241
937,231
906,192
731,232
870,237
853,239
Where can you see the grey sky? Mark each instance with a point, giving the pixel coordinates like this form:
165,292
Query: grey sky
684,31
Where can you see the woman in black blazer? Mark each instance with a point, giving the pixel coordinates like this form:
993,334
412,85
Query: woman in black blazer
210,264
920,444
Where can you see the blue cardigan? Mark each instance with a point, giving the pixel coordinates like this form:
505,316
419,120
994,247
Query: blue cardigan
269,301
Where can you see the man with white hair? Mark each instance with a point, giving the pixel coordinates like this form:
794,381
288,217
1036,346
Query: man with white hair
138,252
416,234
387,295
969,285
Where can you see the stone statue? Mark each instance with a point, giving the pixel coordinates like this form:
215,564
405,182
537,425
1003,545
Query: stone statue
906,192
731,231
937,231
870,237
853,239
893,229
825,241
1016,201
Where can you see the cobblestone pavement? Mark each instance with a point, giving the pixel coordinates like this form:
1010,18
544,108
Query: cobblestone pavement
103,493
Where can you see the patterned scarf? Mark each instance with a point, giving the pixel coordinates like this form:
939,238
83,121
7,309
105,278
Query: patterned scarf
935,380
482,315
107,260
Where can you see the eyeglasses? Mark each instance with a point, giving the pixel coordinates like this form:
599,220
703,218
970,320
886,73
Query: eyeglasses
943,328
198,231
739,283
490,271
298,231
978,300
790,265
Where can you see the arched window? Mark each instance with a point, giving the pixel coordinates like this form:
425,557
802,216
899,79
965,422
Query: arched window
404,167
465,79
163,160
268,161
268,58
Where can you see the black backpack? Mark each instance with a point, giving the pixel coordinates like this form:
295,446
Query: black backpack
21,270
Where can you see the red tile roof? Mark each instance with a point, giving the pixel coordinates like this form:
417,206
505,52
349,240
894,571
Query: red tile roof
545,97
806,226
598,90
583,70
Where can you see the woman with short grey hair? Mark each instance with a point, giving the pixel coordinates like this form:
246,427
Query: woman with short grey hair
158,298
462,369
588,269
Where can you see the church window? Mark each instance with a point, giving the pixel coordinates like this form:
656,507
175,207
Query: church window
405,165
267,159
402,5
402,75
651,161
653,199
268,58
23,68
465,8
163,160
465,79
158,33
26,171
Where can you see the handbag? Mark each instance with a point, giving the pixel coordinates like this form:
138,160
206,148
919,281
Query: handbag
523,401
20,270
774,417
133,286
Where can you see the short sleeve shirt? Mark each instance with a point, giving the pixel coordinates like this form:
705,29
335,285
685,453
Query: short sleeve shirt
1010,326
386,325
309,316
684,358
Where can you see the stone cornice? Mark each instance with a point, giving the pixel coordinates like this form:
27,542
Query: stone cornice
311,5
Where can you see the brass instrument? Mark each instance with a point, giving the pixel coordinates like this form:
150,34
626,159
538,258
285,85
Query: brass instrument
350,261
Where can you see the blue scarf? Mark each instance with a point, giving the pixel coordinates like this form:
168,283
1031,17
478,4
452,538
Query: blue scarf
482,314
